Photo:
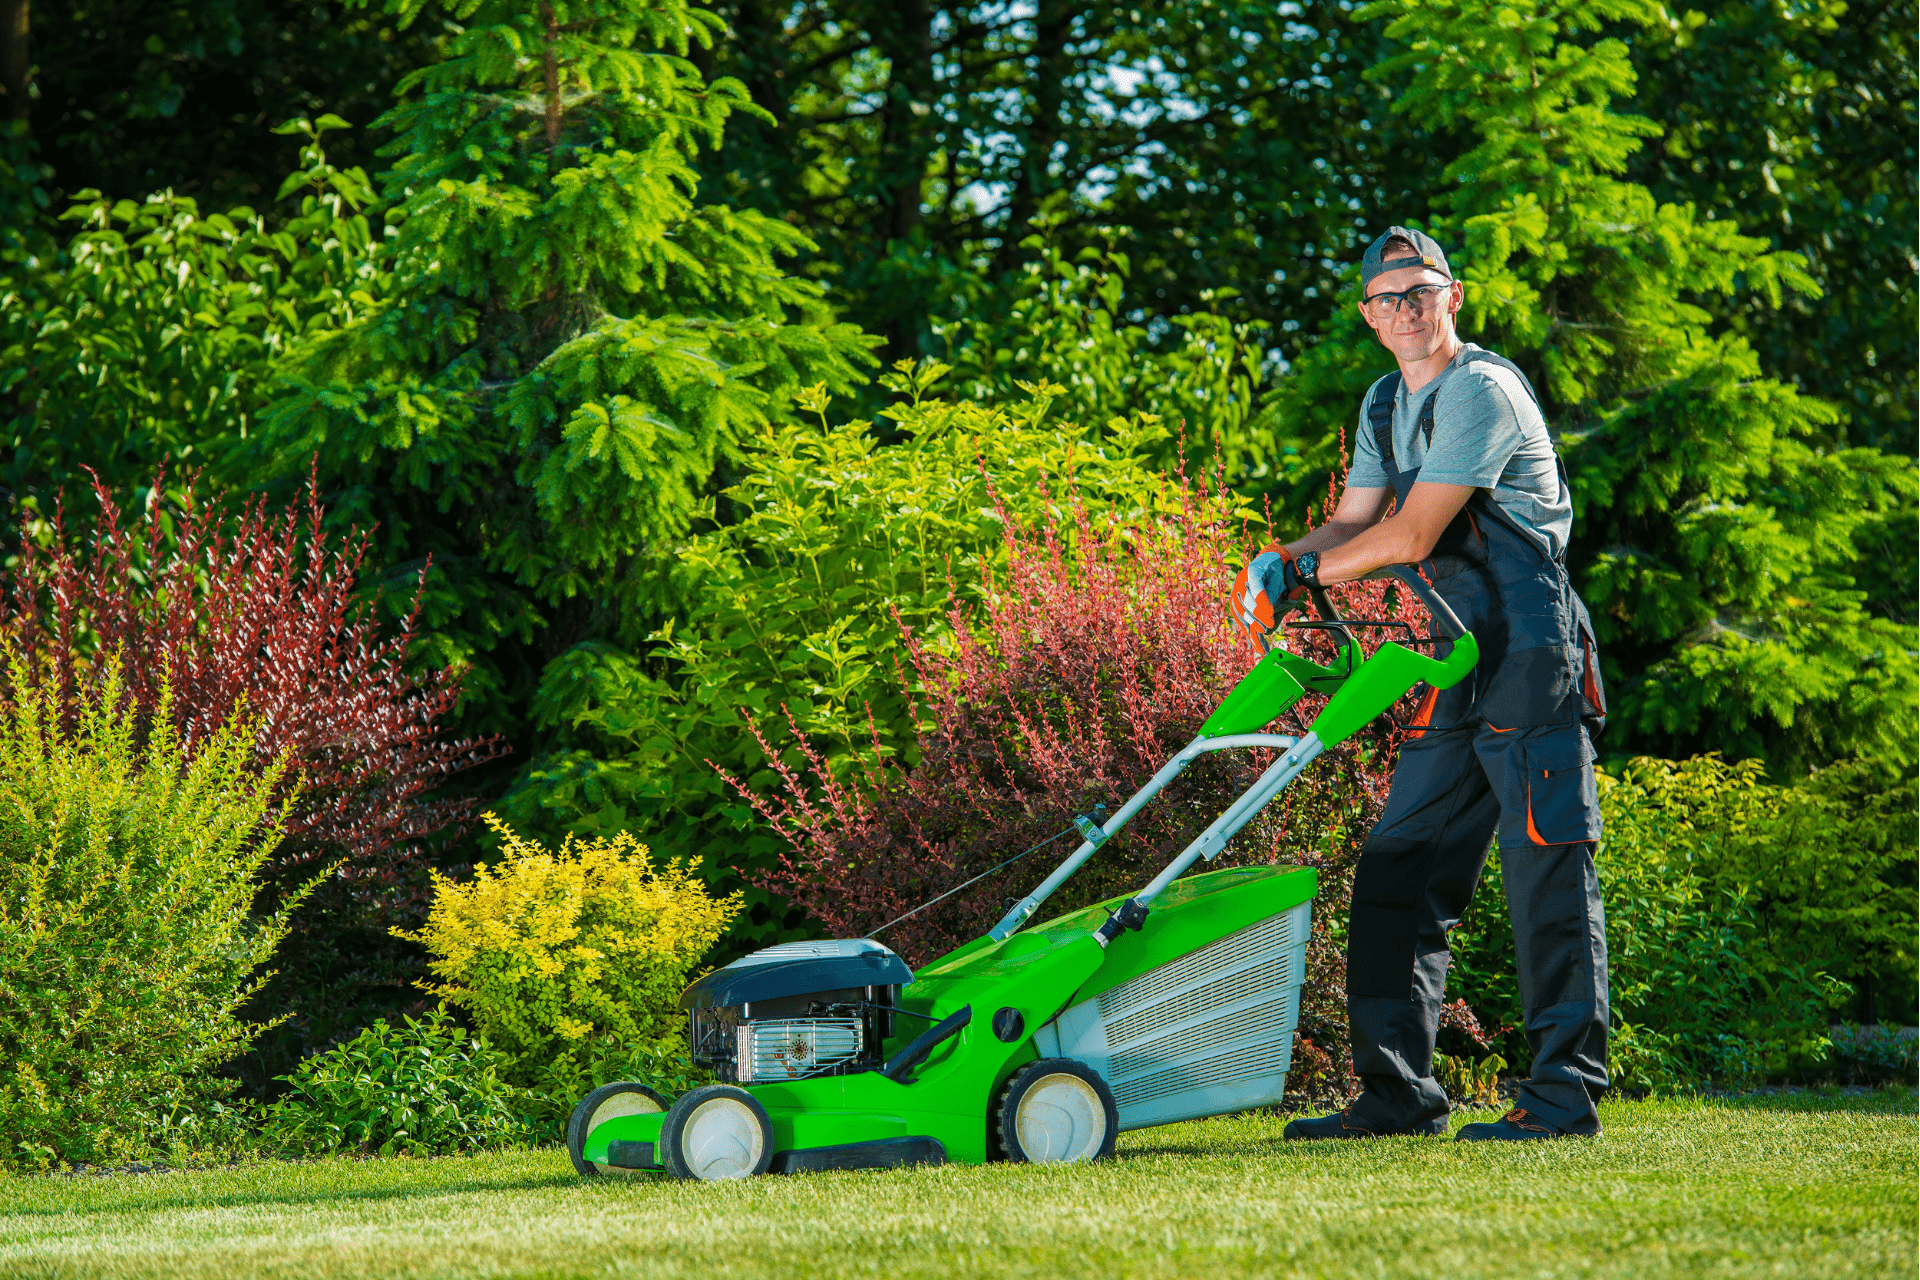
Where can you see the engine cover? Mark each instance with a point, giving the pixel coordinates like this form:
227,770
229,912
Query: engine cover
798,969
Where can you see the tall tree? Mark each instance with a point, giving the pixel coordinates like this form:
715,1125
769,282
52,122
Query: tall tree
1721,548
922,143
563,344
1797,122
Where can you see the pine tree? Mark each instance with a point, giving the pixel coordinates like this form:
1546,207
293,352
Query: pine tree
568,344
1718,548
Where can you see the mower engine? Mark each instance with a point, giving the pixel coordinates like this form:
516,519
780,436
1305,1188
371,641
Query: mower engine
795,1011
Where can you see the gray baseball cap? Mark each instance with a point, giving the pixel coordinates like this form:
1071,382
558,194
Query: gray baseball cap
1428,254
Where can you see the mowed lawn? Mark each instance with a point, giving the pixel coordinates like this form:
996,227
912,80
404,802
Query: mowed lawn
1791,1185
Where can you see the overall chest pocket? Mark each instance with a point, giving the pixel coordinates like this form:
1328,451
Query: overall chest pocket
1563,803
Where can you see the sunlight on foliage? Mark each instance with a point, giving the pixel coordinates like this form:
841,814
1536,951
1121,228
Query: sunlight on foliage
128,945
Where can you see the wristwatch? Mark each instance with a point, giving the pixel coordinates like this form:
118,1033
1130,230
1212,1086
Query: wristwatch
1307,568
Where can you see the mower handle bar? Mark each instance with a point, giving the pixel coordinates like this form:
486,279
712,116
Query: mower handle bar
1023,910
1407,576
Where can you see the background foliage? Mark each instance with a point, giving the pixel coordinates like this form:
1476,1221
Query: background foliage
1239,145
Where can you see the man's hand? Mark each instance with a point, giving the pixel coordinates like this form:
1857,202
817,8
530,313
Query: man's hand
1274,569
1263,591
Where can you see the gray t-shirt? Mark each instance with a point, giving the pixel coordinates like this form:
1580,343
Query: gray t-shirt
1487,432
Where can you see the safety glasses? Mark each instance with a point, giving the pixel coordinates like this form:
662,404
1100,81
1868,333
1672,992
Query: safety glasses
1420,299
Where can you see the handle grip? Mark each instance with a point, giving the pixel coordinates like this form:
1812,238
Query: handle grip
899,1067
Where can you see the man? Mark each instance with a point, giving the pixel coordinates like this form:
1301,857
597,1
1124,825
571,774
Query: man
1455,444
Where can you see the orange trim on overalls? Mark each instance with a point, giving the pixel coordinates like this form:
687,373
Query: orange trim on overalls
1533,832
1423,712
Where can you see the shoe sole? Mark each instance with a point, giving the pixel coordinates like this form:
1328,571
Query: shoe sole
1464,1136
1432,1129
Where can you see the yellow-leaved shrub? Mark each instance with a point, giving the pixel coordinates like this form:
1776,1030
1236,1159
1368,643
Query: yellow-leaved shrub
573,959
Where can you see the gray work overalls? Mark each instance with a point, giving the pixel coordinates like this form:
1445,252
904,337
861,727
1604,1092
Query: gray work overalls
1508,748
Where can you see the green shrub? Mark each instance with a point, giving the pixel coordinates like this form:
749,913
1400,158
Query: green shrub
1066,319
1875,1054
1697,992
1828,863
126,941
426,1087
150,335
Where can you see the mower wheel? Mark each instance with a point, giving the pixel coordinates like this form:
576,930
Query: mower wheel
1056,1110
608,1101
716,1132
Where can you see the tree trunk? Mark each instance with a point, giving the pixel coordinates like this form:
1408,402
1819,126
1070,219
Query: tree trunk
1053,19
909,112
15,65
553,76
906,122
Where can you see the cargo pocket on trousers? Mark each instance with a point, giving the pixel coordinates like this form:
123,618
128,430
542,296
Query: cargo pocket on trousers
1563,804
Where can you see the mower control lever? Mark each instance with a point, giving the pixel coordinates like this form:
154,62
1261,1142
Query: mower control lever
900,1066
1131,914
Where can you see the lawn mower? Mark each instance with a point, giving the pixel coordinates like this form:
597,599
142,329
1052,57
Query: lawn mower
1036,1044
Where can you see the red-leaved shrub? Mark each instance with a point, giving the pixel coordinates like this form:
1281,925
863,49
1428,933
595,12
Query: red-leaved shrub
258,615
1095,658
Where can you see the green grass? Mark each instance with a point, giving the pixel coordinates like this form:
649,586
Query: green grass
1795,1185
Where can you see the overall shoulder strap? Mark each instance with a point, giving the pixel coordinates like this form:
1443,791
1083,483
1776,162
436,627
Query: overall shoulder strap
1559,463
1380,418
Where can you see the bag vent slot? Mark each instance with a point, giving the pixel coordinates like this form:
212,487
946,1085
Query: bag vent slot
1267,1020
1213,958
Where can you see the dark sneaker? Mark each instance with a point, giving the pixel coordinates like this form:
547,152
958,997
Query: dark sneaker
1518,1125
1343,1124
